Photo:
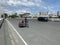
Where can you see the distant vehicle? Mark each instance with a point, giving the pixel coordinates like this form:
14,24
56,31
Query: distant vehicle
21,24
43,19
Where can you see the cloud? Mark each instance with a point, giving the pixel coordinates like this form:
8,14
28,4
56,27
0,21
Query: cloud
2,9
50,9
9,12
13,3
18,11
23,11
24,3
38,1
31,4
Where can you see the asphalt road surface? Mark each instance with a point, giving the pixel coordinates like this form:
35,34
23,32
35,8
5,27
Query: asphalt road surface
2,42
39,33
4,35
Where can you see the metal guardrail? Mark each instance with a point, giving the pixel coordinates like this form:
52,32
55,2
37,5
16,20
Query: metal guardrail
16,38
55,19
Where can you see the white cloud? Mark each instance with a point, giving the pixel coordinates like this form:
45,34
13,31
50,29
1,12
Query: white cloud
3,3
9,12
17,11
23,11
23,2
35,3
11,2
2,9
50,9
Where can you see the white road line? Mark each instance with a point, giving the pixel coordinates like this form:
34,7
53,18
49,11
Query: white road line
16,40
17,33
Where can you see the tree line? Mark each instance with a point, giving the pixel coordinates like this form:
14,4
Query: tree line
5,15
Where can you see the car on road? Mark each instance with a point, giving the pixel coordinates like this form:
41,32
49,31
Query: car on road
21,23
43,19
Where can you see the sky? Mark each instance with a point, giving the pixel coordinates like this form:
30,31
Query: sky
29,6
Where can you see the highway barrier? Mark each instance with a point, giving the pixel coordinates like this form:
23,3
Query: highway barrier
16,38
2,23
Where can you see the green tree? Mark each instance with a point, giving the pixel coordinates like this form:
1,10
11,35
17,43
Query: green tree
5,15
13,15
21,15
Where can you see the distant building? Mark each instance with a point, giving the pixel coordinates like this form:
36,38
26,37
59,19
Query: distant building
52,15
43,14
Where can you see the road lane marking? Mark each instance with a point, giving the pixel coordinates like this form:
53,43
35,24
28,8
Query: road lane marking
11,40
17,33
12,35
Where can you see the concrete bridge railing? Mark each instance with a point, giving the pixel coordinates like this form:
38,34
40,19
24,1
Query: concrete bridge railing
16,38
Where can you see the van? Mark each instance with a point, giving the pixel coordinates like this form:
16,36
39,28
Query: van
43,19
